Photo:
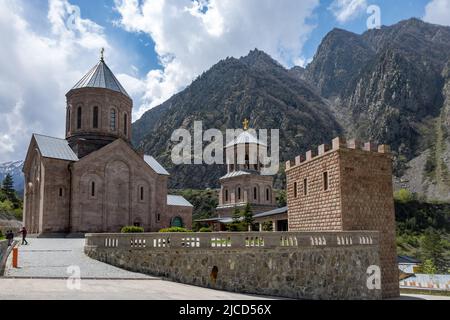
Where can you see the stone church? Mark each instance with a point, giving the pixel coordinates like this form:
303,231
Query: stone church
94,181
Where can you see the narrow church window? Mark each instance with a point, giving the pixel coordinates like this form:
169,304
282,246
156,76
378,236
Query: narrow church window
142,193
158,217
226,195
113,120
305,187
60,192
239,193
325,181
95,118
268,194
255,193
125,124
79,115
93,189
295,190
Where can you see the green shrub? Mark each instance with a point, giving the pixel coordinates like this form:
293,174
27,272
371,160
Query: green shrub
132,229
174,230
204,229
404,196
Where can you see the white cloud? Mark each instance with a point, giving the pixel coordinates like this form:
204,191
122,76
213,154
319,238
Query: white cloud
191,36
38,69
346,10
438,12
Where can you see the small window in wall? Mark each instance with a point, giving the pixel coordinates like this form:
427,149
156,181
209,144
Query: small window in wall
79,117
92,189
141,193
268,194
226,195
255,193
61,192
158,217
325,181
125,124
239,193
113,120
295,190
95,118
305,186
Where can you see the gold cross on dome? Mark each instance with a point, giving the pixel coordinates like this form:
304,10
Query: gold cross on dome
102,52
246,124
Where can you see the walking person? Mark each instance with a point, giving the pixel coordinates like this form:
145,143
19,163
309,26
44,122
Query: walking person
24,236
9,237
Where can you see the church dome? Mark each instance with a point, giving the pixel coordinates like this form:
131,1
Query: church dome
101,76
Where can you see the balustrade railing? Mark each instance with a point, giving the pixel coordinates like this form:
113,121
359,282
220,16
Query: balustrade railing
221,241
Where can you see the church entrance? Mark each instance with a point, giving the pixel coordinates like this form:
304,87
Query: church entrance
117,196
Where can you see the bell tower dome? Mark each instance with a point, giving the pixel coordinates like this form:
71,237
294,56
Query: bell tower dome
99,111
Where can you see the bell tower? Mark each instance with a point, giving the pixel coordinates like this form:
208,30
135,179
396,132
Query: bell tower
99,111
244,184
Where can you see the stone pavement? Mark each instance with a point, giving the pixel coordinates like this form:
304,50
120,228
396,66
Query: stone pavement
42,275
50,258
54,289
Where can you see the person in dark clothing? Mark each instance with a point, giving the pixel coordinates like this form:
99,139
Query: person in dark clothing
24,236
10,237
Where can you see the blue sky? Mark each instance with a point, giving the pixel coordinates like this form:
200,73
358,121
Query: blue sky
156,47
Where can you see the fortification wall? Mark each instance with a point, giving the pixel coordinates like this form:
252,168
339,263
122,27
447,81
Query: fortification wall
290,265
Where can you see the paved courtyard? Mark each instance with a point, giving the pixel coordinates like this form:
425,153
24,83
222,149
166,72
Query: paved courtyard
43,273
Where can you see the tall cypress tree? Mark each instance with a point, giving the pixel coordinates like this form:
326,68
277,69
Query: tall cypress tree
8,186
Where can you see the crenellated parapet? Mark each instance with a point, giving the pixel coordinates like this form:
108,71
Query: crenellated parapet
337,144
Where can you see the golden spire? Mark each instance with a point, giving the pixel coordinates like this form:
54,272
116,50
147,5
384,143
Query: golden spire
102,52
246,124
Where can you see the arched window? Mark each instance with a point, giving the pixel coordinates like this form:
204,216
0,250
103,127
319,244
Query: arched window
95,118
79,115
69,126
239,193
113,120
141,193
125,124
177,222
92,189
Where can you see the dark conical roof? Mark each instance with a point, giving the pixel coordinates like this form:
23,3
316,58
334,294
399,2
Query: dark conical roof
101,76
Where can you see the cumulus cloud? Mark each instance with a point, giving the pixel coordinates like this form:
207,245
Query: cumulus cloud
347,10
38,69
191,36
438,12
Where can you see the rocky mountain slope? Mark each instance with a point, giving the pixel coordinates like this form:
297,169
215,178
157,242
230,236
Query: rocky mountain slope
254,87
390,85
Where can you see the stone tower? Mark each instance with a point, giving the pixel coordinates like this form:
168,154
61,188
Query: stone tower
244,182
347,188
99,111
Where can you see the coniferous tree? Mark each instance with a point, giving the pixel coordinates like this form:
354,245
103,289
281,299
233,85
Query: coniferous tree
8,186
248,216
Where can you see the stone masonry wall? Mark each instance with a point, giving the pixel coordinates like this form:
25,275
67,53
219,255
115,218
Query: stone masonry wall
305,271
315,209
359,197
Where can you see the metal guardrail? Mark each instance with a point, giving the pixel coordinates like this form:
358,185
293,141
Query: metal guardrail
243,240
